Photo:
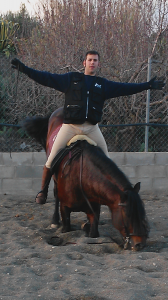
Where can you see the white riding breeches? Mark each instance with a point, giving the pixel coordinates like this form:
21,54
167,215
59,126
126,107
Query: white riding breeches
68,131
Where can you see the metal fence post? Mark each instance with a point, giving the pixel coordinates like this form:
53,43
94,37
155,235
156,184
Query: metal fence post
147,105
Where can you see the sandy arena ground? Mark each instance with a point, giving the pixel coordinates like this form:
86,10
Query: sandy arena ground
79,268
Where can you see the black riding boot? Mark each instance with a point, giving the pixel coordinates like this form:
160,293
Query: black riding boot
42,195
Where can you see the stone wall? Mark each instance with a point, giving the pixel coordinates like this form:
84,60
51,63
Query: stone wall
20,173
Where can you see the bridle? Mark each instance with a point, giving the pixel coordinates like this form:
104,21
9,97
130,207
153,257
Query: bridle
127,238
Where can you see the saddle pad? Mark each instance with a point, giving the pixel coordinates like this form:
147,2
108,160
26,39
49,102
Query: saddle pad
61,154
81,137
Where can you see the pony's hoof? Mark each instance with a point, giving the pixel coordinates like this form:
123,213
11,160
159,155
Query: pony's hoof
40,199
55,241
94,235
66,229
55,226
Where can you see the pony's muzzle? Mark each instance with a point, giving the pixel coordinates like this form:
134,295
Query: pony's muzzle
130,244
138,247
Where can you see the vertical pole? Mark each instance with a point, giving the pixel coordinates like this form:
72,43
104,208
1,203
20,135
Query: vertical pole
147,105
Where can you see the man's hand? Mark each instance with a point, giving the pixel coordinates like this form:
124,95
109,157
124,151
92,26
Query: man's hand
18,65
156,84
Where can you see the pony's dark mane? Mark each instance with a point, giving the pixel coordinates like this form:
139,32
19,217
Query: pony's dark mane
107,166
135,210
37,128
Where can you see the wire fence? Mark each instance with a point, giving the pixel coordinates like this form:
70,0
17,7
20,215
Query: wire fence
124,119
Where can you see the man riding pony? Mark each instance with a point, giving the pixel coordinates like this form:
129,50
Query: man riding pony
85,94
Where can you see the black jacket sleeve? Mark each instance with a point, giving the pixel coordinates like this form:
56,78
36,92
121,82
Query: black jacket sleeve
58,82
117,89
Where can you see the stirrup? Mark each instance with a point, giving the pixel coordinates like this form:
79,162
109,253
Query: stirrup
45,197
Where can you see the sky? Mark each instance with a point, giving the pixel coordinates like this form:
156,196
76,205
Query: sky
14,5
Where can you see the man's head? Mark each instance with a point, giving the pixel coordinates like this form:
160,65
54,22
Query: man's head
92,52
91,62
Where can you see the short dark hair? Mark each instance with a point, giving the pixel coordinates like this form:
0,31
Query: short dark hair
92,52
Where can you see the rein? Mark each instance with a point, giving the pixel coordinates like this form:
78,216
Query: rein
83,193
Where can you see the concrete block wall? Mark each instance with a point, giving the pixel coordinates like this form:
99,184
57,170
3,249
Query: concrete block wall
20,173
150,168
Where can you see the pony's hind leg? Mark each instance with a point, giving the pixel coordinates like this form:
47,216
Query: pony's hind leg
65,214
56,217
94,221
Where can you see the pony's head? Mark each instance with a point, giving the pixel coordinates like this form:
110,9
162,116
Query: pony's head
129,217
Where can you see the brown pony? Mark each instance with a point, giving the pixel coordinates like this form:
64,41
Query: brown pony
86,179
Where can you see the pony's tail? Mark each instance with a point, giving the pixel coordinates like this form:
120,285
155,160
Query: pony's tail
37,128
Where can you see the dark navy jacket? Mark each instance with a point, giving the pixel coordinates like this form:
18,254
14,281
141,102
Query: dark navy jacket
83,103
91,85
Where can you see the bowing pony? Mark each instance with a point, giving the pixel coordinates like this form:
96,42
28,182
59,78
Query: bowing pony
85,178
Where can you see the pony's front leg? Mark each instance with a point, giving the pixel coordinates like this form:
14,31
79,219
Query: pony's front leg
65,213
93,218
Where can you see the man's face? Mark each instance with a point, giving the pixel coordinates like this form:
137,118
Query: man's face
91,64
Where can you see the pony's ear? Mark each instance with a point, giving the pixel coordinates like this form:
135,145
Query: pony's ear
137,187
